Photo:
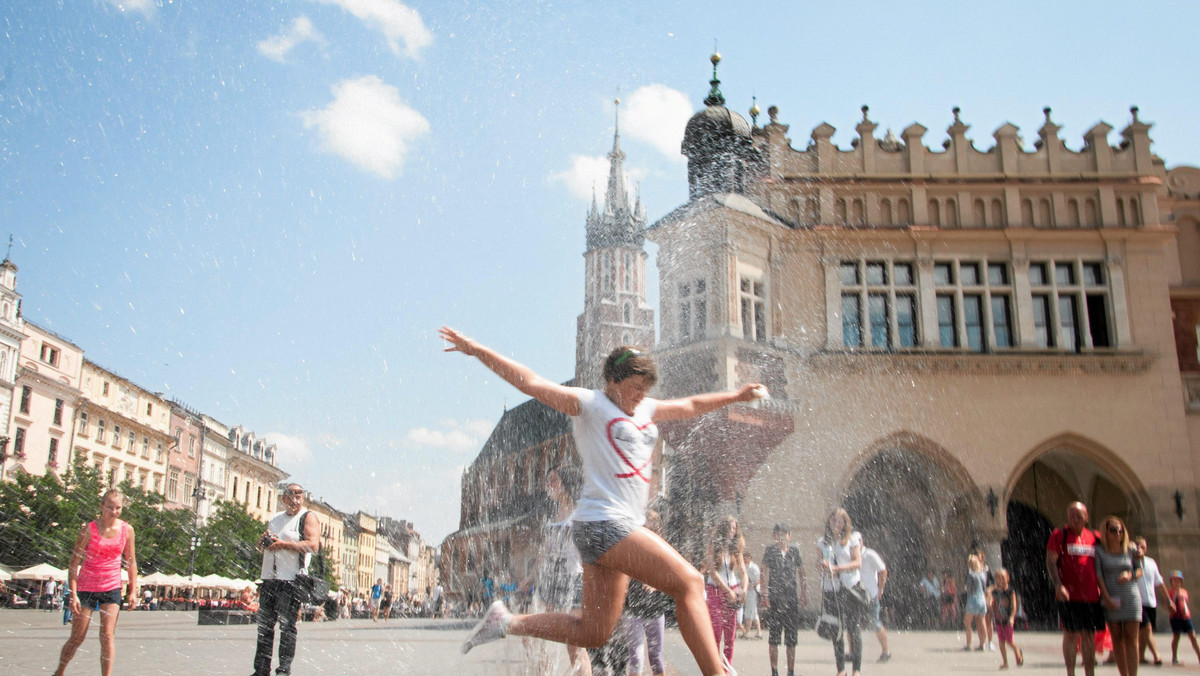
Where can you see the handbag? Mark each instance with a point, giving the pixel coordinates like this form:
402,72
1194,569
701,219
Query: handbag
828,625
312,586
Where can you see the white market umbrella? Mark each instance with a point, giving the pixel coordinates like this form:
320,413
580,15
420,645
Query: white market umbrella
173,580
42,571
210,581
5,576
154,579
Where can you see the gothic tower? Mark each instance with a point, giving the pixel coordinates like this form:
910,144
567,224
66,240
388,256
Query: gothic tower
615,311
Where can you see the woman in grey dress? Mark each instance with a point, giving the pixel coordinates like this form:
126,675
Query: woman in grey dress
1117,568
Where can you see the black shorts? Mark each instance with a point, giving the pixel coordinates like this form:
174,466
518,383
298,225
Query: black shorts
1149,616
95,599
1077,616
783,623
1182,625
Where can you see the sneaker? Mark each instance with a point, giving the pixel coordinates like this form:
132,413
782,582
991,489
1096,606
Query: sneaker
885,657
493,627
992,646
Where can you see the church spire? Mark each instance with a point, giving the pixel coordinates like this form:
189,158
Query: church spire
617,199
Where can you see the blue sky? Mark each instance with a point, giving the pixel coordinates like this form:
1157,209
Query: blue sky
267,209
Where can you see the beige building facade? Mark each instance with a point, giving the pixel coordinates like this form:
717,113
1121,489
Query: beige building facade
12,333
44,399
959,342
253,476
367,526
122,430
331,532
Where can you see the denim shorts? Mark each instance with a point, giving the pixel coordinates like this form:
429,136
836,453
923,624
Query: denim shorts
95,599
594,538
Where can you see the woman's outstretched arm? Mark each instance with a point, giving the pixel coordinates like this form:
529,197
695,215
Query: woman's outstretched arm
699,404
520,376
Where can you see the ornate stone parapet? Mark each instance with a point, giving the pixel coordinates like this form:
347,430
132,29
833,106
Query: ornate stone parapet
1009,363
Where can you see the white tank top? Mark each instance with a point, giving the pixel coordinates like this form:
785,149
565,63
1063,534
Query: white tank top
284,564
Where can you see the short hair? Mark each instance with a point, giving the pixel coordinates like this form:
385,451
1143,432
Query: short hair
780,528
628,361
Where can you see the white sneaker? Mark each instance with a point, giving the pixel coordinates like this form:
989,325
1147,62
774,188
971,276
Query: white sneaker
493,627
992,646
729,670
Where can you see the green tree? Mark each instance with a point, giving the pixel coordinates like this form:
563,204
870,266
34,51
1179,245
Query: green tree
229,543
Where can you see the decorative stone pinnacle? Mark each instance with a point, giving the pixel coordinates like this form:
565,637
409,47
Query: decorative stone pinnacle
865,110
1134,111
773,113
754,110
715,97
956,111
1046,112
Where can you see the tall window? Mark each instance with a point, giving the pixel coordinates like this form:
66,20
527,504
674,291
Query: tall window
627,272
117,436
754,310
1070,304
188,482
133,443
100,431
158,452
693,310
26,396
887,291
83,423
974,305
19,443
173,486
58,411
145,447
191,446
52,456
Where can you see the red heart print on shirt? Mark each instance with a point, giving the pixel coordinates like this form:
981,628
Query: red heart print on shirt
623,440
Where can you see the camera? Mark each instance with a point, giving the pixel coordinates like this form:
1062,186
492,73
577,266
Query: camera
266,541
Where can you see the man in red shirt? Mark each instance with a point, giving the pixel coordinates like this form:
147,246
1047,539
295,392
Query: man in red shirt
1071,562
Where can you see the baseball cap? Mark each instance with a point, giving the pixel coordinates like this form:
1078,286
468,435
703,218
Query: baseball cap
1177,573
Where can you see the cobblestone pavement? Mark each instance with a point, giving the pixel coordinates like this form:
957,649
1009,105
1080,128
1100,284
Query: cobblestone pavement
172,643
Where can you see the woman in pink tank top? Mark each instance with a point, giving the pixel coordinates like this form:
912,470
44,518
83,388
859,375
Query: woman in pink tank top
94,577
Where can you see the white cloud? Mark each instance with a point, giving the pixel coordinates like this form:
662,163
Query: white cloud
302,30
368,124
398,23
291,451
143,6
657,115
588,172
454,436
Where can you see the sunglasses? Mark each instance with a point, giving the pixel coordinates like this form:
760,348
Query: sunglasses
1113,529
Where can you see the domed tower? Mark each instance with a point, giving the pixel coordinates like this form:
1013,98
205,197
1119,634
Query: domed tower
615,311
716,141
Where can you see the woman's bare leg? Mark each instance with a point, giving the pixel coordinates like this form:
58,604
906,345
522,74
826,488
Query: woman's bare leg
108,637
79,628
646,557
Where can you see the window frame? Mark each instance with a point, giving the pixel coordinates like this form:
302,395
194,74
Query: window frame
874,278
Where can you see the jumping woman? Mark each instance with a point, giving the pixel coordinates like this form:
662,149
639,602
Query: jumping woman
615,434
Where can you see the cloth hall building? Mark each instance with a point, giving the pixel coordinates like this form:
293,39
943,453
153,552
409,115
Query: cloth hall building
959,341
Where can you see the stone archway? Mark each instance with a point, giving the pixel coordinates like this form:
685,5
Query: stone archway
1059,471
917,506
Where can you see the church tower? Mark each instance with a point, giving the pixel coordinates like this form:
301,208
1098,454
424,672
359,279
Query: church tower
615,311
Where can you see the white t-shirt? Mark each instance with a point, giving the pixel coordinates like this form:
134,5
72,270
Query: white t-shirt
284,564
753,572
841,556
616,451
1150,580
872,566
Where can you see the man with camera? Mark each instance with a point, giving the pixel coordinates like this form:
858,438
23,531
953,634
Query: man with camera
290,539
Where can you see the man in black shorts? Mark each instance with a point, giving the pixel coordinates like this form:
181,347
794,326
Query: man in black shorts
1071,563
783,595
